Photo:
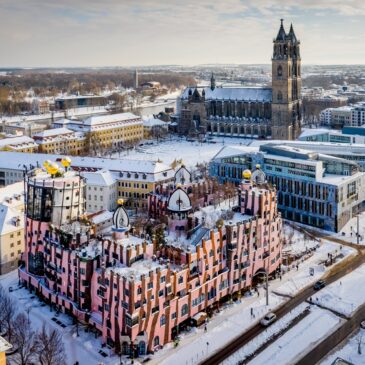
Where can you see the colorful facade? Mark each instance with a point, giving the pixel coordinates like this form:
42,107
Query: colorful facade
137,292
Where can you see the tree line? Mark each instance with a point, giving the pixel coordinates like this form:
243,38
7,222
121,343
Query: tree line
43,346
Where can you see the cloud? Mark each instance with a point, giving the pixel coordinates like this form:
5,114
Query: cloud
129,32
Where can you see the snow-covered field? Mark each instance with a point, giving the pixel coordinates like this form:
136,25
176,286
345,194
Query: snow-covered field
348,350
300,339
175,149
344,296
265,336
301,278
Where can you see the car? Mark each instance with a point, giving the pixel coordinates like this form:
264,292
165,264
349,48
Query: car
268,319
319,285
362,324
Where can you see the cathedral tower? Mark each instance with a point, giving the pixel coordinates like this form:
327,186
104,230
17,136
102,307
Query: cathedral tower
286,86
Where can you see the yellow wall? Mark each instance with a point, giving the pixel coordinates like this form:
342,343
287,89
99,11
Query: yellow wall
2,358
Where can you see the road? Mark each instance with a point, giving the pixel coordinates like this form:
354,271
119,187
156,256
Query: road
343,268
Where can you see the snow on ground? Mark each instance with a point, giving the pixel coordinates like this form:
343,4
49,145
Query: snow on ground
175,149
300,339
83,349
301,278
227,325
265,336
348,350
344,296
348,232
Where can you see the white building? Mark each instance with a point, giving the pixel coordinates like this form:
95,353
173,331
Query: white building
101,191
11,226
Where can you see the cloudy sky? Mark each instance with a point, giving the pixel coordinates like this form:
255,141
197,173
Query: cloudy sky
159,32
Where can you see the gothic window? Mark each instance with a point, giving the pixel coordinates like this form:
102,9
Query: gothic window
280,96
163,320
280,71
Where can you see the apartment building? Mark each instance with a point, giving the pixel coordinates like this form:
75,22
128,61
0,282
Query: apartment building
18,144
61,140
136,294
11,226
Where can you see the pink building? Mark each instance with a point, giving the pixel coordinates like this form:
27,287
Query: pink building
139,294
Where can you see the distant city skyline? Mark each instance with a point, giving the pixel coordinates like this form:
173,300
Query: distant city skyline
92,33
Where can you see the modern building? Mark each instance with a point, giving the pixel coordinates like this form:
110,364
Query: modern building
348,135
79,101
345,116
274,112
135,293
313,188
11,226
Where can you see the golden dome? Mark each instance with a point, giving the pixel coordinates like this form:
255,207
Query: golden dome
258,166
52,168
46,163
246,174
120,201
66,162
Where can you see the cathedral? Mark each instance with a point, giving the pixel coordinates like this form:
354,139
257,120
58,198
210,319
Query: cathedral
249,111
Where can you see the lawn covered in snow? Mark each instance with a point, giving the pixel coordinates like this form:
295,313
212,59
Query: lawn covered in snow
179,148
300,339
345,295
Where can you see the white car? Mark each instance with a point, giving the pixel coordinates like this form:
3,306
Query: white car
268,319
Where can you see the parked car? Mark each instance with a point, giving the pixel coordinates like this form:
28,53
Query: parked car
319,285
362,324
268,319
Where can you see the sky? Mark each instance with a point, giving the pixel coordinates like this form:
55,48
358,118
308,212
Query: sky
72,33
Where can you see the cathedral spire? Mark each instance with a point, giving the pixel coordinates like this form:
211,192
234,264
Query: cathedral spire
291,34
281,35
212,82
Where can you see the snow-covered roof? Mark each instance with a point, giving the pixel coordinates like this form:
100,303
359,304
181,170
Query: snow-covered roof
233,93
53,132
154,122
101,217
4,345
99,178
111,118
21,141
8,218
229,151
307,132
155,171
12,195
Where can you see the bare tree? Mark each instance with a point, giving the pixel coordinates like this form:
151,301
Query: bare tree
49,347
7,314
24,341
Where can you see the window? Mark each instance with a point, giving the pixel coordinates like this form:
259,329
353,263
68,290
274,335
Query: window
184,310
280,71
173,315
280,96
163,320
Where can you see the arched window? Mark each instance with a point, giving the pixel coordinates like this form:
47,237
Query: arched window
280,96
163,320
184,310
280,71
156,341
142,348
